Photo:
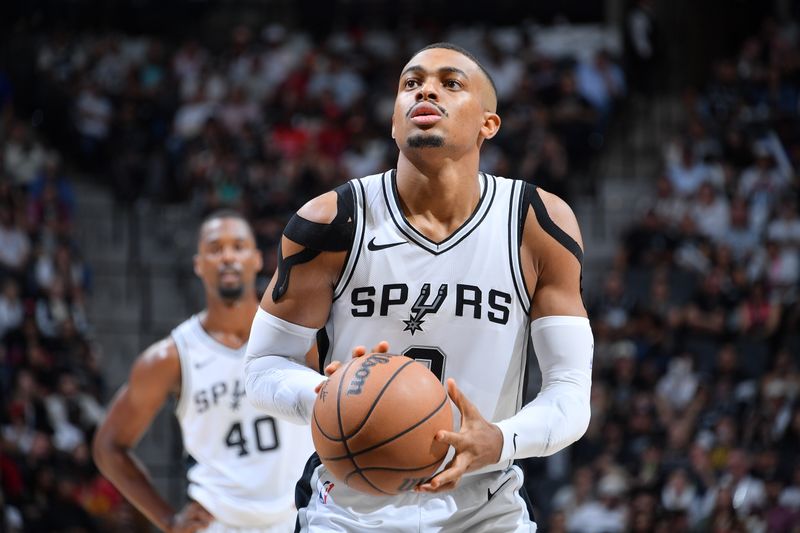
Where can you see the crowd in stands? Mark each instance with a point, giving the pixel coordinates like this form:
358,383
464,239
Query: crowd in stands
696,393
51,381
696,419
274,118
261,125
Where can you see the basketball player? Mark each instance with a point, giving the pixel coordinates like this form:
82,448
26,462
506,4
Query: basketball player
453,267
246,462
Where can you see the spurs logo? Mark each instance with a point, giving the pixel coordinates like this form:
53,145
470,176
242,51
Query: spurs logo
421,307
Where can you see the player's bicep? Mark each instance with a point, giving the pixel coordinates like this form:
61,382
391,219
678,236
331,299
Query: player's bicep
154,376
554,247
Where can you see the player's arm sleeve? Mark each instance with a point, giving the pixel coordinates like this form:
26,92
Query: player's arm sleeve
276,378
560,414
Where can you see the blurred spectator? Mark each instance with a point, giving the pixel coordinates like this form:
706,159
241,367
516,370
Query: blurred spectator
93,117
11,309
23,155
742,237
601,82
710,212
573,118
641,46
607,514
15,245
686,172
73,414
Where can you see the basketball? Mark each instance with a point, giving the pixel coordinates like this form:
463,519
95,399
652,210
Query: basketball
375,420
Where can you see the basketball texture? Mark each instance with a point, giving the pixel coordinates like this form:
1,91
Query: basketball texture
375,420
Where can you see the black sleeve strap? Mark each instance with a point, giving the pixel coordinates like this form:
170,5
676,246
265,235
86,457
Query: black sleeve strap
337,236
531,196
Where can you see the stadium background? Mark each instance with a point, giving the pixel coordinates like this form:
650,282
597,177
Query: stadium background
122,123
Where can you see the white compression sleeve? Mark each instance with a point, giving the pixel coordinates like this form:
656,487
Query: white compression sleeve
560,413
276,377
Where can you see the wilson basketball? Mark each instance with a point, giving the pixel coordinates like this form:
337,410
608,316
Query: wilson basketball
375,420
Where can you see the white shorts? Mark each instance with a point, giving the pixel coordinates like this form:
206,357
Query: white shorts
216,526
482,503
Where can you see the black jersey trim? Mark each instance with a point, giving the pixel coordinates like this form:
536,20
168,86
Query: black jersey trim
527,366
182,398
463,225
323,345
467,227
517,275
303,491
547,224
359,219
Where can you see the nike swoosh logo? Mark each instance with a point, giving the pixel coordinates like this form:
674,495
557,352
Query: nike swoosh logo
514,442
201,364
491,494
371,246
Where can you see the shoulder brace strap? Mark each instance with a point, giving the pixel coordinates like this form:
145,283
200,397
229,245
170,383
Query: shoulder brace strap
336,236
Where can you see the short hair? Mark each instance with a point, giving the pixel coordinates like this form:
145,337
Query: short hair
464,52
218,214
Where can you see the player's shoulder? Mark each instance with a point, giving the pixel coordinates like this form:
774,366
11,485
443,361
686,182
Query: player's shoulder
160,361
330,207
549,216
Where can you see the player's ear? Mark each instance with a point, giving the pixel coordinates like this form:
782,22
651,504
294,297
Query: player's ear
491,124
198,271
259,260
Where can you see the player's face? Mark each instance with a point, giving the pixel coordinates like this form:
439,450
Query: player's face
227,259
442,101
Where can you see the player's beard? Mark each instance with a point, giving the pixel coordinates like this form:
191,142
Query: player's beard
422,140
231,294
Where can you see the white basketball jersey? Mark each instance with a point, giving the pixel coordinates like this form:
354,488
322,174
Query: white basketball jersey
460,305
247,463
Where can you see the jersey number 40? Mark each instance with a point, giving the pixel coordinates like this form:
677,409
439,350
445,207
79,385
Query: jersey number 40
264,433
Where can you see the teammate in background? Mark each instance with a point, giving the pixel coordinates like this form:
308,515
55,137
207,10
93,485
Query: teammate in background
247,462
453,267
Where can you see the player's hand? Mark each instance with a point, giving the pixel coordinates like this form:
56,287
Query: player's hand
478,443
191,518
358,351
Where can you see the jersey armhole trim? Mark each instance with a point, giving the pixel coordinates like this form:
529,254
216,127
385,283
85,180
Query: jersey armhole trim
359,219
181,405
516,216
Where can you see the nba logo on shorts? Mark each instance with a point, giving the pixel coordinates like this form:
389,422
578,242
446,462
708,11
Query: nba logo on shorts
327,487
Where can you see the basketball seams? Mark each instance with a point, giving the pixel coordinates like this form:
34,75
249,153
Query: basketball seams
359,444
366,417
341,430
377,399
390,439
392,469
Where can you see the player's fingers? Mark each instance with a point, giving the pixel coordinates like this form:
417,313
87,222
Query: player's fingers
199,513
381,347
447,478
358,351
465,406
319,386
444,487
449,437
195,525
333,367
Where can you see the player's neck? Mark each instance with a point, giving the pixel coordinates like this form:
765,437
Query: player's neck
228,322
445,194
